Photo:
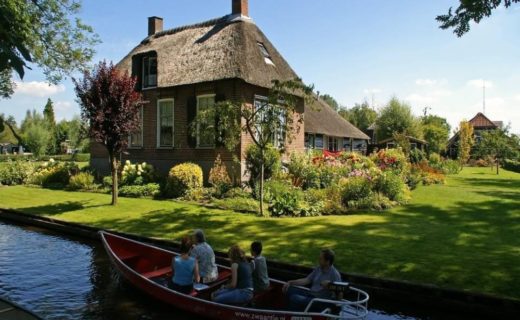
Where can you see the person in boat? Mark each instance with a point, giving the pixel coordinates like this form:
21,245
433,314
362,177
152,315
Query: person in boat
240,288
318,281
204,254
185,269
259,266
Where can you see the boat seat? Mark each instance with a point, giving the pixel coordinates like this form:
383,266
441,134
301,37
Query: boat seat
128,256
157,273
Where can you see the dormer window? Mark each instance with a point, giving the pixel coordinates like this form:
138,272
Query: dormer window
265,53
149,72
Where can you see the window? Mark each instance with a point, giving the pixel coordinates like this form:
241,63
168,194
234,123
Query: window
360,145
265,53
318,141
165,123
309,140
206,134
346,144
390,145
413,145
149,72
136,139
333,144
266,117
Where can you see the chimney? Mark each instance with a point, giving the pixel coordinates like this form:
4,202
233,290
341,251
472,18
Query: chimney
155,24
240,7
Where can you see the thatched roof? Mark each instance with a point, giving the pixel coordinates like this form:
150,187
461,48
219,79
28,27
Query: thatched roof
322,119
223,48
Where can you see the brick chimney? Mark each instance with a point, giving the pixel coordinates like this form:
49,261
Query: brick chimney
240,7
155,24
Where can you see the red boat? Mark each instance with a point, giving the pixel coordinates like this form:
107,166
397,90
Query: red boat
148,268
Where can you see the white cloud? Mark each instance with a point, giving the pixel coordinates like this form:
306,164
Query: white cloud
517,97
371,91
63,105
38,88
478,83
425,82
428,97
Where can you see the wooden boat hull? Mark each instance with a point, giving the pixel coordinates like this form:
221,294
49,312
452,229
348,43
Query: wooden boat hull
142,265
12,311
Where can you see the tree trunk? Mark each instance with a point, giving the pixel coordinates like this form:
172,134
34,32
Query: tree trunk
113,168
262,168
498,165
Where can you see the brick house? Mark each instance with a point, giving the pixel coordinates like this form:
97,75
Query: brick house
185,69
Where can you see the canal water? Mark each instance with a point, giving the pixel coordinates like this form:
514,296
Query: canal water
61,277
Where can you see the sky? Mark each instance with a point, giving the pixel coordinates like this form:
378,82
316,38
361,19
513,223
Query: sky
354,50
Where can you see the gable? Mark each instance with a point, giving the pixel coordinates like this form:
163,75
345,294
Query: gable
481,121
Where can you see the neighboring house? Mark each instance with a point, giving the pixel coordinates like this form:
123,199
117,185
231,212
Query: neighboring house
326,130
186,69
391,143
9,148
480,124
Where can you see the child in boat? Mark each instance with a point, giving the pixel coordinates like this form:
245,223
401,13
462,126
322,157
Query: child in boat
185,269
240,288
259,266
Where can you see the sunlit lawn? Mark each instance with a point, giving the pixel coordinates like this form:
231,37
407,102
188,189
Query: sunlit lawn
464,235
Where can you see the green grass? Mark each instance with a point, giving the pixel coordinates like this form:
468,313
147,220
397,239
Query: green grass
463,235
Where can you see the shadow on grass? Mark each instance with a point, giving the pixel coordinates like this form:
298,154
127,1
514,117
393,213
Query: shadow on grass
60,208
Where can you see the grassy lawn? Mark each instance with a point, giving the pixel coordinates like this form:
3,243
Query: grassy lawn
464,235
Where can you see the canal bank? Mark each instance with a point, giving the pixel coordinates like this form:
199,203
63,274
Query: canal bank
421,300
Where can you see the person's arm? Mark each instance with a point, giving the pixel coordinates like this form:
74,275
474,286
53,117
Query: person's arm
234,276
299,282
196,272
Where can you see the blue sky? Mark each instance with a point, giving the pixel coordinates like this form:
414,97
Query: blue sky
351,49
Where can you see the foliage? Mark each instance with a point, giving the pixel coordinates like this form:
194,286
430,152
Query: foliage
391,159
302,170
287,200
466,142
36,133
403,142
417,155
328,99
429,175
140,191
393,187
470,11
7,86
450,166
72,134
47,33
254,161
137,174
397,117
182,178
82,181
512,165
498,144
54,174
110,104
50,120
354,191
219,178
15,172
360,115
436,131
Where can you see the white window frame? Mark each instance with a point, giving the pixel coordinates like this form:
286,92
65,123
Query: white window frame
143,86
198,136
141,125
158,135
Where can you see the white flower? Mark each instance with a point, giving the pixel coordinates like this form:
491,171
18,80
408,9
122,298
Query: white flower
127,162
51,160
143,165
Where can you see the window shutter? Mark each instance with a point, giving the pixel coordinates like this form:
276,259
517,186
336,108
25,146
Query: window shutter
191,112
219,138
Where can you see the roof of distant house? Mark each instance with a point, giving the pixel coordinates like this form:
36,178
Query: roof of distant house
481,121
322,119
224,48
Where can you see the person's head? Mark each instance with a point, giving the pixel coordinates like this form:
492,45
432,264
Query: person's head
236,254
198,236
326,258
256,248
185,245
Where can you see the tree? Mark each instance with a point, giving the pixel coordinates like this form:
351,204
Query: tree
466,142
6,84
436,131
360,115
469,11
48,116
271,121
110,104
328,99
35,133
497,144
47,33
397,117
10,122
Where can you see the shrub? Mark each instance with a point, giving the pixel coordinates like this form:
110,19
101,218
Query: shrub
302,171
137,174
287,200
435,159
107,182
237,193
182,178
392,160
140,191
219,178
417,155
198,194
512,165
355,189
15,172
393,187
433,178
272,163
451,167
54,174
82,181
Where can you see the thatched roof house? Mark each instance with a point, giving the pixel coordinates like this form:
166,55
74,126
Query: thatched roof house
185,69
326,129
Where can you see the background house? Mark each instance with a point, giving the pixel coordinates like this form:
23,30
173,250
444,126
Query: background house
326,130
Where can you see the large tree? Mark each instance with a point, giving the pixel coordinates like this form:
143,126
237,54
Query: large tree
110,104
47,33
436,131
497,144
466,142
50,118
360,115
274,120
36,133
6,84
470,11
397,117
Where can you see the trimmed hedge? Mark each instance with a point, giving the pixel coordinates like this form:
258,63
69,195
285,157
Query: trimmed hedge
512,165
